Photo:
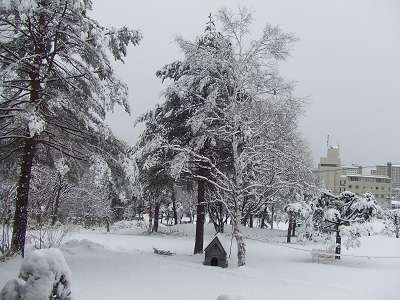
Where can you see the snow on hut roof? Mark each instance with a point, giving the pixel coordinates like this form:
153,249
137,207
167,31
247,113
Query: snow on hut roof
223,239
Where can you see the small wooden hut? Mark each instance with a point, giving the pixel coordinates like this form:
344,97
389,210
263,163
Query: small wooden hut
215,254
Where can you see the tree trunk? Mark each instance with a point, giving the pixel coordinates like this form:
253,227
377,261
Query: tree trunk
173,199
241,246
21,205
221,217
289,231
117,207
200,218
294,224
150,217
397,224
108,224
54,216
263,216
156,217
251,221
338,243
272,217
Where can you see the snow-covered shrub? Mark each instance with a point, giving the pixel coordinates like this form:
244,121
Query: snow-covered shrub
392,223
49,236
305,231
5,238
299,212
130,226
7,194
353,233
44,274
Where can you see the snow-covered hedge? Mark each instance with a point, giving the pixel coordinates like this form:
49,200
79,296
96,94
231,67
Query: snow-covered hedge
44,274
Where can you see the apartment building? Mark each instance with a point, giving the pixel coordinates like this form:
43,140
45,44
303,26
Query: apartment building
392,171
379,186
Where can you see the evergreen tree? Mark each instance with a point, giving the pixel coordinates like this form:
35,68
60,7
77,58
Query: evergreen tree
347,214
57,84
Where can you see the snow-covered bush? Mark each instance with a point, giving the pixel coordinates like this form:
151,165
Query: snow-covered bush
7,194
353,232
49,236
392,223
5,238
299,213
44,274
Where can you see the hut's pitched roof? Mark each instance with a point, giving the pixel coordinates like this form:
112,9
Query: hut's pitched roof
217,241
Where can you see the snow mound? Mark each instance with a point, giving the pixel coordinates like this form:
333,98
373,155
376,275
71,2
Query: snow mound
12,290
123,225
80,246
226,297
45,274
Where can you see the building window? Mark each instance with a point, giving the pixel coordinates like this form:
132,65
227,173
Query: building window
356,186
349,186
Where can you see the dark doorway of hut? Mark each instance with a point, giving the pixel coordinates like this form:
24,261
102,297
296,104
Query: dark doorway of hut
214,262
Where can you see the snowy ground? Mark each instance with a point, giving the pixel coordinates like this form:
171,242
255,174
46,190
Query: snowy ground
122,265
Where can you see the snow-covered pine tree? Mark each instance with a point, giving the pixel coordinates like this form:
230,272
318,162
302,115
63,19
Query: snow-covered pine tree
57,84
347,214
182,126
152,158
242,115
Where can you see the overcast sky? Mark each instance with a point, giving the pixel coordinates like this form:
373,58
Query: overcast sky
347,64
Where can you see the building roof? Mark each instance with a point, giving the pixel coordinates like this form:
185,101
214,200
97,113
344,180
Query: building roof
367,176
395,166
352,167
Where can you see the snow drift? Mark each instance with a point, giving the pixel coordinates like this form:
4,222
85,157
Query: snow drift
43,274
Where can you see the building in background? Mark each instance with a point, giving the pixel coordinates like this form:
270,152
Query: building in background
379,186
392,171
337,178
330,169
353,170
395,204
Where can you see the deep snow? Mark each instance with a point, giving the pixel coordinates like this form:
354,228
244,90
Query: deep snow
123,266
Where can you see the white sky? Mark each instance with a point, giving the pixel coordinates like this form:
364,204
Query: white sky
347,64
